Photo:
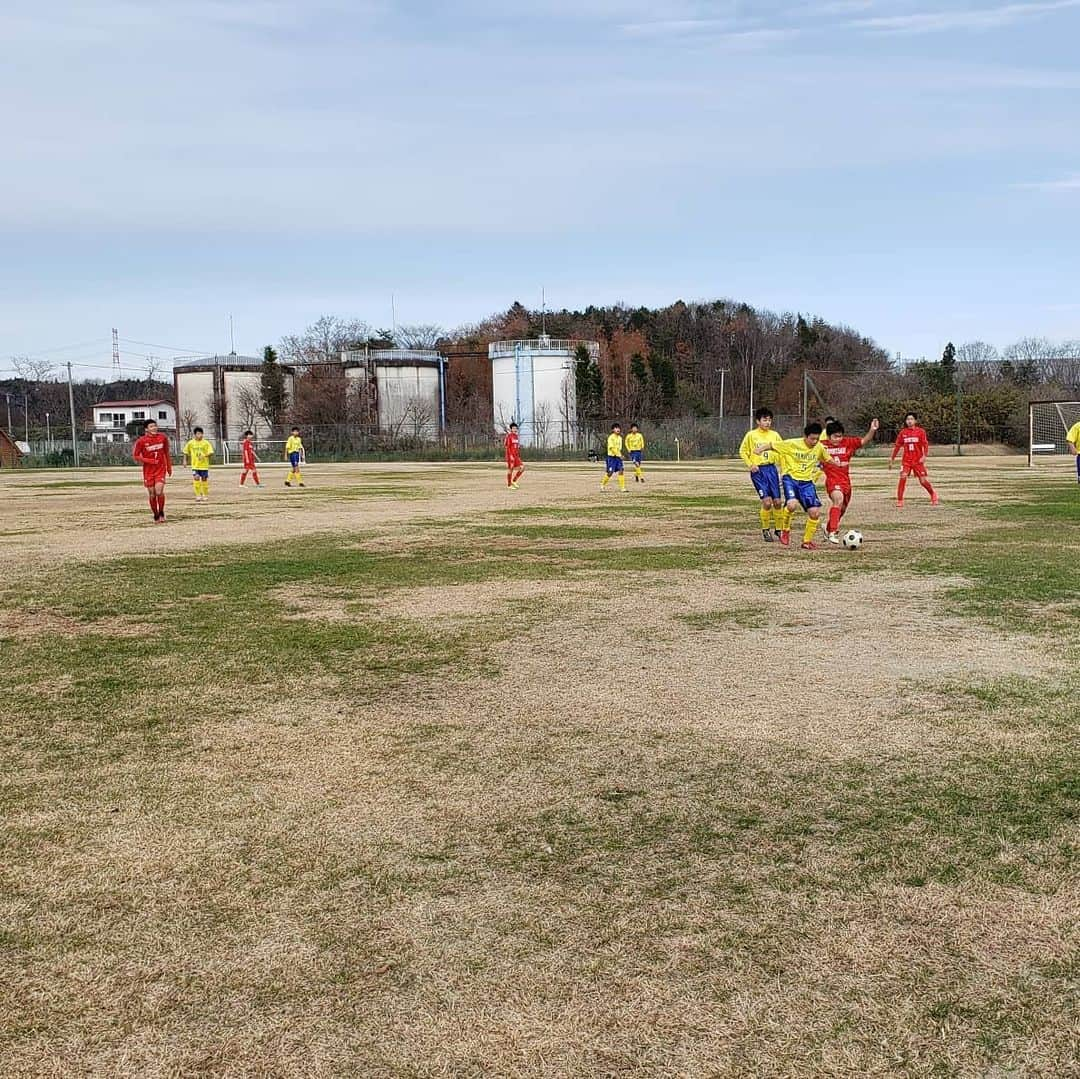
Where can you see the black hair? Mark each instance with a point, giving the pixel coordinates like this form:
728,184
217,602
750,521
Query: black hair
634,424
616,424
513,425
294,428
248,434
146,424
812,428
761,413
196,430
912,413
834,427
828,420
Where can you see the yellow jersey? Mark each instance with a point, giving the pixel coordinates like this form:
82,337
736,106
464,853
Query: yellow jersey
294,444
635,441
800,461
1073,435
614,445
199,450
758,437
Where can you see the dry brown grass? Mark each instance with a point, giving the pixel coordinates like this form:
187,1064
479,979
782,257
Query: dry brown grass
625,846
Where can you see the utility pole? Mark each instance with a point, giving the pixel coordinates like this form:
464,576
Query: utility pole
26,417
71,406
8,398
751,395
48,434
956,379
805,398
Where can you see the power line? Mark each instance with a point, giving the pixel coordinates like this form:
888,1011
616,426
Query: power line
168,348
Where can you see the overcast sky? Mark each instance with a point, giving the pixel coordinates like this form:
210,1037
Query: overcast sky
909,168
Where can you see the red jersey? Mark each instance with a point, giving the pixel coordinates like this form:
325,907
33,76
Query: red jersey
512,446
247,451
914,443
154,454
839,474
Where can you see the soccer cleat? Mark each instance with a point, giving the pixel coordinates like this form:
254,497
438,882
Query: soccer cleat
785,538
899,503
515,486
301,485
776,533
811,546
833,537
766,535
287,483
935,501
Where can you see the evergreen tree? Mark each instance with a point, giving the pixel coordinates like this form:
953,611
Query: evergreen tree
272,389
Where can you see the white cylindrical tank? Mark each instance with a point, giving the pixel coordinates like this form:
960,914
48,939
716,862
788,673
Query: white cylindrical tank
532,384
399,390
223,396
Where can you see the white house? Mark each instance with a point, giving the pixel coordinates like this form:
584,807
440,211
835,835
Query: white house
112,417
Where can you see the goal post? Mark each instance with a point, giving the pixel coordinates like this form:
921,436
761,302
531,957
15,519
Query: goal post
1048,423
268,451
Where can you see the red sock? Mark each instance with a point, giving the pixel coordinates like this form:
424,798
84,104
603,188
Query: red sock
153,503
900,488
255,475
161,504
243,476
926,483
834,519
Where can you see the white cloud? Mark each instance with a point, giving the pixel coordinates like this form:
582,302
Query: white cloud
961,18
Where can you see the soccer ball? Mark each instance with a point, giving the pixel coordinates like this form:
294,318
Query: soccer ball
853,540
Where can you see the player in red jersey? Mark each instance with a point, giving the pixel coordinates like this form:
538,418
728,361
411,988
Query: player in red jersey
152,451
915,445
514,465
249,462
838,473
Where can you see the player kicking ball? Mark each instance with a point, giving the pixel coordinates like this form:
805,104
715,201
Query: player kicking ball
614,463
515,467
151,450
764,473
801,458
915,445
838,476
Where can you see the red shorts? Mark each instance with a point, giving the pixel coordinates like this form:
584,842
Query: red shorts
838,485
916,468
515,463
151,477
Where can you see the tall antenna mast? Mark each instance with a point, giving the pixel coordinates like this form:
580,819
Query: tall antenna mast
543,311
232,339
116,352
393,315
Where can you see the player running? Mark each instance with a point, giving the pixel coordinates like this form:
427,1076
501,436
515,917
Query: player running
197,452
800,459
151,450
294,451
1072,436
614,463
765,473
915,445
838,476
515,467
635,447
248,459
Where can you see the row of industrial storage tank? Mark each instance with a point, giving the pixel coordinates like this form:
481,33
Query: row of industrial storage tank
399,390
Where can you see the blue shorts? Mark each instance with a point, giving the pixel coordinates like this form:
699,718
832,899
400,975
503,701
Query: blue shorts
614,464
294,460
766,481
802,491
201,473
636,456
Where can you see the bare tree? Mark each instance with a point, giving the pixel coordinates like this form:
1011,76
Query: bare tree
248,406
420,335
33,370
187,420
324,340
419,414
153,369
541,424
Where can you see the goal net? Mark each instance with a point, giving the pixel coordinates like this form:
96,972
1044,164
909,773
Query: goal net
268,451
1048,422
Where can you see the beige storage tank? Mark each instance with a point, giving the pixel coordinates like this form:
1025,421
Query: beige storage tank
401,391
222,395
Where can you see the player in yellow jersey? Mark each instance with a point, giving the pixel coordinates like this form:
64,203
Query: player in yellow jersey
294,451
801,459
635,447
197,451
765,473
1072,436
614,466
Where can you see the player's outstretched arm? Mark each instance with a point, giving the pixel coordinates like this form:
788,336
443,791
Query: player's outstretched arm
869,436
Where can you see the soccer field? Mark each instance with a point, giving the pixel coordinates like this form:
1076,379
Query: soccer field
408,774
